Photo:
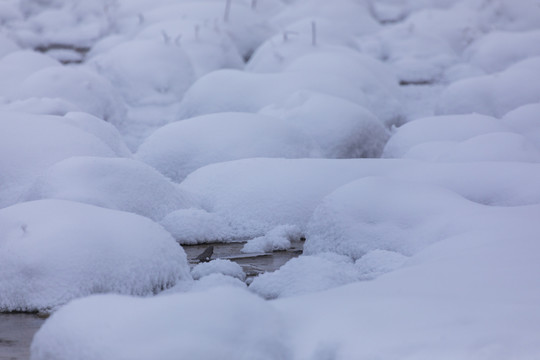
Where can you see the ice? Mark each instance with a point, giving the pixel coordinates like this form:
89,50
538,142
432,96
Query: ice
53,251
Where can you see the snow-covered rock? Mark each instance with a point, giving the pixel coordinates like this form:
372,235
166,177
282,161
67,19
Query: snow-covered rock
52,251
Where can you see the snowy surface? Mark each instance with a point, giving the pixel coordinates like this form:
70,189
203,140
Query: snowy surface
400,138
53,251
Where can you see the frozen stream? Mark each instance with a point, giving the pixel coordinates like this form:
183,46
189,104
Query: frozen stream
17,330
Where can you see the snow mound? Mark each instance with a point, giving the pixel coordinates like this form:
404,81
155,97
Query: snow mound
87,90
179,148
31,153
460,138
501,146
194,226
161,74
255,195
279,238
234,90
207,49
367,76
497,50
524,120
52,251
440,129
495,94
17,66
120,184
218,266
377,262
222,323
337,127
306,274
378,213
7,45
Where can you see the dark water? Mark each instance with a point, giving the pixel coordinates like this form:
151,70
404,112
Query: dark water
17,330
16,333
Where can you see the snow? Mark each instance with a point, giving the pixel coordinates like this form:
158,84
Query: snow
217,323
193,226
279,238
88,91
291,189
53,251
30,153
338,128
306,274
114,183
18,65
218,266
398,140
494,94
161,75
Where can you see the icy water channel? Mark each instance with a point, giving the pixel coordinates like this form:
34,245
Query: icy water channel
17,330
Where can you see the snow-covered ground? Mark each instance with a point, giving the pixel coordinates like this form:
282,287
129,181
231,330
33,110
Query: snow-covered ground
400,138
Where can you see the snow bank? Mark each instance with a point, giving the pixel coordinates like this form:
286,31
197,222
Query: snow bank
52,251
219,323
120,184
31,153
495,94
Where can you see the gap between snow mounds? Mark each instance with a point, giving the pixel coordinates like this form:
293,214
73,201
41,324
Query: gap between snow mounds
253,264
